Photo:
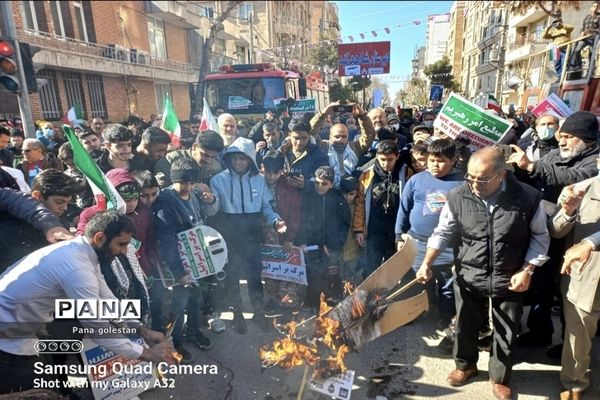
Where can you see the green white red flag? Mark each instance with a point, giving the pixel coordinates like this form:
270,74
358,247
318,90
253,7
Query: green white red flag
103,189
170,123
493,104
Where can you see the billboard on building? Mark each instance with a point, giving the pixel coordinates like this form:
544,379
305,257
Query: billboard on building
371,58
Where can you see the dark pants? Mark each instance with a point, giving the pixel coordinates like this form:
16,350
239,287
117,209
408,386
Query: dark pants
575,60
471,310
17,372
190,299
379,249
244,262
544,287
320,280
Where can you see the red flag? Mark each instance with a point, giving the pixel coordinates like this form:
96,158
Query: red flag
387,30
374,33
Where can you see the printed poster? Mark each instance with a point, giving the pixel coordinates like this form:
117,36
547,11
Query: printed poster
280,265
336,387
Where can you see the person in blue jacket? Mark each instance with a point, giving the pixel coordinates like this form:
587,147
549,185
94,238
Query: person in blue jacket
244,199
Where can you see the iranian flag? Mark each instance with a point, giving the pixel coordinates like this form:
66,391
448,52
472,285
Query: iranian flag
492,104
170,123
104,191
74,116
208,121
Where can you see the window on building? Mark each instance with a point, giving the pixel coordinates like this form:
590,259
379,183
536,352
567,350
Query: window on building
59,27
156,36
80,18
74,90
241,54
162,91
538,30
208,12
245,10
34,16
49,97
97,100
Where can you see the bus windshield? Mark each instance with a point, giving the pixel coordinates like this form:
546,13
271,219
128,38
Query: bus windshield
245,94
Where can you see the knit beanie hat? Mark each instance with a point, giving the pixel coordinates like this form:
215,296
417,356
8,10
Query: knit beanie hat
185,170
581,124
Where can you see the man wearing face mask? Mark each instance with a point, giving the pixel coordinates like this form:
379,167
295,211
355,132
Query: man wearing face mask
427,118
544,137
46,136
574,161
343,155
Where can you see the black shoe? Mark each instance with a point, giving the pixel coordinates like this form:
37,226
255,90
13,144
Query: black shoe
531,339
555,352
202,341
261,321
239,323
485,343
186,355
446,345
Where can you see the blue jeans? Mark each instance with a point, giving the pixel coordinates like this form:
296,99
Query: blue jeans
441,283
189,298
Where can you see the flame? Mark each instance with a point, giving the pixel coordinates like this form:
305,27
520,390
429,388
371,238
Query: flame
177,356
358,308
348,288
288,353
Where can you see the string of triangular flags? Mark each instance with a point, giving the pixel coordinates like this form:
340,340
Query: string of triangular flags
351,38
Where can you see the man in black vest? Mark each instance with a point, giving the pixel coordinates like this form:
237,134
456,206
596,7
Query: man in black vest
499,234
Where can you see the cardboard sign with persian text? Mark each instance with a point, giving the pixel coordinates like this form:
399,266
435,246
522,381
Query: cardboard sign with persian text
552,105
203,251
281,265
460,117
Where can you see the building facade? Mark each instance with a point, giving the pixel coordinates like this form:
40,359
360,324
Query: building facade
455,39
438,28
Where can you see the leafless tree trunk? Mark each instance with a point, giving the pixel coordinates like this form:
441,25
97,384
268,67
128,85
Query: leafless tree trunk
215,27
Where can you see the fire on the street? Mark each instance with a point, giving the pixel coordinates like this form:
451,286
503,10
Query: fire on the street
326,352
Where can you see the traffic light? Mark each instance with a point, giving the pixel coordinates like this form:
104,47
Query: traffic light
29,67
8,66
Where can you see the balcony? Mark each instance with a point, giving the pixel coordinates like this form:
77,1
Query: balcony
107,59
532,15
521,49
175,12
485,67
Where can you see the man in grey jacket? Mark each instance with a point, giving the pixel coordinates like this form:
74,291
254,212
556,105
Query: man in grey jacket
244,199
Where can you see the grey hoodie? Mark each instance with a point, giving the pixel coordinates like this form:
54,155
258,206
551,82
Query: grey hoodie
243,194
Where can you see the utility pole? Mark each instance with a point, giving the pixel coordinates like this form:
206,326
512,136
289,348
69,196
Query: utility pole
501,55
23,95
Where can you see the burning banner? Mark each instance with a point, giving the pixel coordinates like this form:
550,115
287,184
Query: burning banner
368,312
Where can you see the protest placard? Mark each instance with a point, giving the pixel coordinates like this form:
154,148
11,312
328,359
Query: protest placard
460,117
280,265
203,252
336,387
552,105
112,381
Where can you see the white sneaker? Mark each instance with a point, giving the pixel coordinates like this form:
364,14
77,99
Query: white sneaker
216,325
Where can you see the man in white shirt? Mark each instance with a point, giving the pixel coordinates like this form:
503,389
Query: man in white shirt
65,270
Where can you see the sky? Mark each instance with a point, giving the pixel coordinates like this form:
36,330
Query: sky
358,17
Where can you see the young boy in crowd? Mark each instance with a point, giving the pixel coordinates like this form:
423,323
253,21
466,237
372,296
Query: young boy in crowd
351,251
149,185
422,201
418,158
287,202
325,223
55,190
244,200
179,208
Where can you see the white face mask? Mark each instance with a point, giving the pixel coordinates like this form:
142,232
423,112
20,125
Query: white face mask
396,127
546,132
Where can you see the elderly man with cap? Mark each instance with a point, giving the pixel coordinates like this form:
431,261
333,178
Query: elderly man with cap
574,161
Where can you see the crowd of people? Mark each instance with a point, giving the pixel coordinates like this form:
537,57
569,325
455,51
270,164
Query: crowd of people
495,229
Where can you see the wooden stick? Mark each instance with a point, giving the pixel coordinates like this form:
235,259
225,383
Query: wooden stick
401,290
304,378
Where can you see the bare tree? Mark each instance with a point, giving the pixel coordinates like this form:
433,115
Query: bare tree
215,27
553,8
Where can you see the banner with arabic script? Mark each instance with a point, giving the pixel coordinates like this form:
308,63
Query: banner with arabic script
552,105
280,265
371,58
460,117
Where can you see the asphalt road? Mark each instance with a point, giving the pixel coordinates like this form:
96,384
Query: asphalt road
402,365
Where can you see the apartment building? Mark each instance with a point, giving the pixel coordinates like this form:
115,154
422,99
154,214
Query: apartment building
436,38
455,38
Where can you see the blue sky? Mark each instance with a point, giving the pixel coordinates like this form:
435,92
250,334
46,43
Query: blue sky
364,16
